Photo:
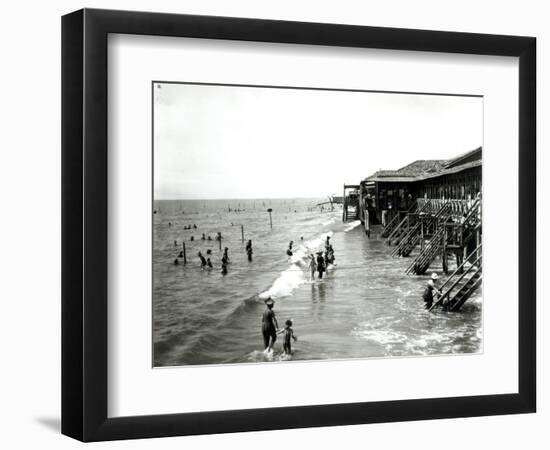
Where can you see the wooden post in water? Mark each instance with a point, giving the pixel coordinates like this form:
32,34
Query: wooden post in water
242,233
270,222
184,254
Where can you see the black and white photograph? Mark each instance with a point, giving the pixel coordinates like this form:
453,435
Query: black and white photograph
253,225
303,224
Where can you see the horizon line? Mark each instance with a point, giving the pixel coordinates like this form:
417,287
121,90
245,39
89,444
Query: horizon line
243,198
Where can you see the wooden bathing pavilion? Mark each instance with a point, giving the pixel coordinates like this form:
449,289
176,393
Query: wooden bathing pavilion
431,210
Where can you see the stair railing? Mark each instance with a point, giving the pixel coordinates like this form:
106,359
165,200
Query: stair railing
428,252
409,237
397,220
472,211
464,273
455,306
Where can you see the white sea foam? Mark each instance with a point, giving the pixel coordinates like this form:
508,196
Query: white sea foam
329,222
383,337
283,286
317,243
394,340
293,277
352,225
257,356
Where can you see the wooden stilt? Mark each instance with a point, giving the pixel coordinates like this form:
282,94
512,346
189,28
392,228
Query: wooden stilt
444,252
478,241
461,255
345,209
421,235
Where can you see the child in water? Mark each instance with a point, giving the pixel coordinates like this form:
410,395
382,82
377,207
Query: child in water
289,333
312,267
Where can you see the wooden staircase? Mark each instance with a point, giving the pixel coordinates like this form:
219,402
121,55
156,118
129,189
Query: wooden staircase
422,262
404,226
409,242
462,283
399,231
471,222
352,214
397,220
461,234
412,238
468,288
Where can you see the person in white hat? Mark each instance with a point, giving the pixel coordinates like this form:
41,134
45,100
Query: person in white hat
428,295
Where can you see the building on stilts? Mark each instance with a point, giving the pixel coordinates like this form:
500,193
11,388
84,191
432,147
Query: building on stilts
430,211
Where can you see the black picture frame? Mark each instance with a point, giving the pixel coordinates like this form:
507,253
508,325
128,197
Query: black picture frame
84,224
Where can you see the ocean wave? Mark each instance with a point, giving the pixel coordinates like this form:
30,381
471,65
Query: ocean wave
283,286
352,225
293,277
314,244
329,222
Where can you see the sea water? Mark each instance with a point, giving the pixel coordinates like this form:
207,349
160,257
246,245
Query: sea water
365,306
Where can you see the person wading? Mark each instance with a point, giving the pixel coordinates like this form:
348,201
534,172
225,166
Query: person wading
269,326
428,295
289,333
226,255
289,250
320,265
312,267
203,260
248,250
225,262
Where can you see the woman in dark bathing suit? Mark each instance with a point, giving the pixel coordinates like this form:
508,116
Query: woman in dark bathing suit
269,326
320,264
249,250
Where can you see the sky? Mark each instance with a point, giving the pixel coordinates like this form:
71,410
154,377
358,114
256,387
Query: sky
253,142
